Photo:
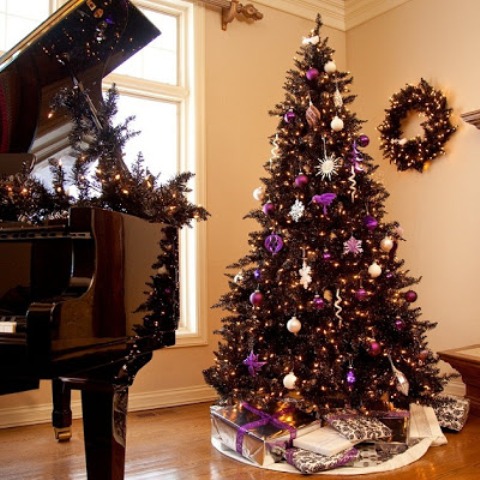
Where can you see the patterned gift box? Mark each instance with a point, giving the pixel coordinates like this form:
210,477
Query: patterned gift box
310,462
358,427
451,411
253,433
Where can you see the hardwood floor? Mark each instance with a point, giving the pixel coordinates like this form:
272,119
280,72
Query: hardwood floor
174,444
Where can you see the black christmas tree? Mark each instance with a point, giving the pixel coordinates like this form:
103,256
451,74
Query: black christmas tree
321,309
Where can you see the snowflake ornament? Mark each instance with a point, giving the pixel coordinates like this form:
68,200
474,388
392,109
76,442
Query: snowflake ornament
328,166
297,210
352,245
305,274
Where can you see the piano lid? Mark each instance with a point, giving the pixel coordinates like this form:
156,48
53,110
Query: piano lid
83,41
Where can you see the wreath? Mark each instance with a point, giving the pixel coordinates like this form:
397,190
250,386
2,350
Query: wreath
437,128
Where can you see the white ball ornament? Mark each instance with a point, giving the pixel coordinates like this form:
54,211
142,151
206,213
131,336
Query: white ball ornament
259,194
294,325
238,277
374,270
289,381
330,67
336,124
386,244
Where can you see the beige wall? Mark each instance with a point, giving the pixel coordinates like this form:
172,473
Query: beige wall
439,209
245,72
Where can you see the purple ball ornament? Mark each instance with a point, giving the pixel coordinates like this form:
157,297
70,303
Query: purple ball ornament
312,74
363,141
301,180
399,324
361,295
370,223
326,256
351,378
410,296
268,208
289,116
374,348
273,243
256,298
257,274
318,302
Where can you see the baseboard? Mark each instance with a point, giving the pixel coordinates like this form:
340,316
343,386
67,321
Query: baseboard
35,414
30,415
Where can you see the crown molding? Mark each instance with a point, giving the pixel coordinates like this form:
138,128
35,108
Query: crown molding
332,11
360,11
340,14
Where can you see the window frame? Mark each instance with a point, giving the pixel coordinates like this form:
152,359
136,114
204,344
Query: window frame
189,96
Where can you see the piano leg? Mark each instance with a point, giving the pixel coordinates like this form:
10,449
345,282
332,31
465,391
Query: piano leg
104,423
104,409
62,413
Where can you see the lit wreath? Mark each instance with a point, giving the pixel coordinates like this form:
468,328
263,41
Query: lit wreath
437,128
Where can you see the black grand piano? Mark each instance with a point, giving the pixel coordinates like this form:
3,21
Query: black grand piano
68,290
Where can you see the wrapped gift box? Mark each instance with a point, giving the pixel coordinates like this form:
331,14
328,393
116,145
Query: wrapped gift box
398,421
253,433
451,411
358,427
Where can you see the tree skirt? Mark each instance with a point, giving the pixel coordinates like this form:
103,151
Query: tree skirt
362,466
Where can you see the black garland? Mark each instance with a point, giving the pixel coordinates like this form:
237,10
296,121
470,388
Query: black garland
437,128
113,186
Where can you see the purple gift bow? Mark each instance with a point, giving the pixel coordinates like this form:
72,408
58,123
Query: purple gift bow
265,419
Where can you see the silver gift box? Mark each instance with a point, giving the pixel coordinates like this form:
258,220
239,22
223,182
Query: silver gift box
252,433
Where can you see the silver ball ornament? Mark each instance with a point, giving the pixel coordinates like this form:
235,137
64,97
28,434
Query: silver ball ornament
294,325
336,124
374,270
259,194
330,67
289,381
386,244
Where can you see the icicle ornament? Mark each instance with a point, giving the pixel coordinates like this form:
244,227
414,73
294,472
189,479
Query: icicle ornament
337,98
353,183
338,308
275,151
402,383
313,116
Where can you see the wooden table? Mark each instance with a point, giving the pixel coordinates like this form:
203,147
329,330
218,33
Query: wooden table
466,360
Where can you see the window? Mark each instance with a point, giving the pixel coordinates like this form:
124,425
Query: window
162,86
